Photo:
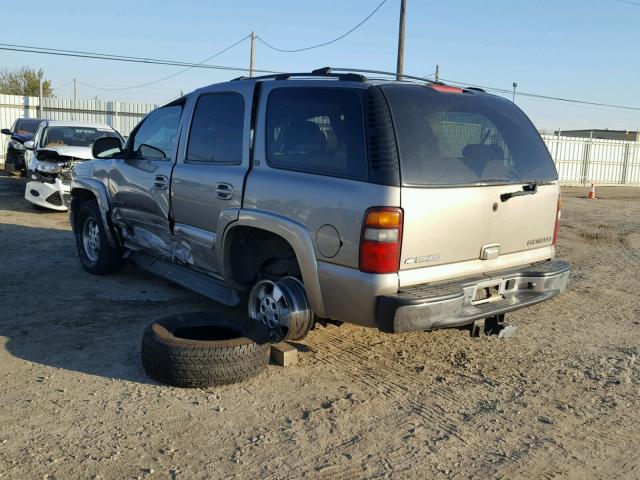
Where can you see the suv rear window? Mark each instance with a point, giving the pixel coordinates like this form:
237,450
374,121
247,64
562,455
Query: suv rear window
317,130
465,138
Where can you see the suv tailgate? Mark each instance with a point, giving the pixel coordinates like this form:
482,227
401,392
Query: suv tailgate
452,225
460,151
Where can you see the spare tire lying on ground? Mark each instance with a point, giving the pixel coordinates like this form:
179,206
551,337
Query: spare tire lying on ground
199,350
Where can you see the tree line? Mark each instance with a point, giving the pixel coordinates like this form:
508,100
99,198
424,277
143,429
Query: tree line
24,81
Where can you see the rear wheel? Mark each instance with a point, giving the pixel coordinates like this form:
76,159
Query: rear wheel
96,254
9,166
282,307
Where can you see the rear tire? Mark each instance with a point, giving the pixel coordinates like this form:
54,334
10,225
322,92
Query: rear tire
195,351
9,167
96,254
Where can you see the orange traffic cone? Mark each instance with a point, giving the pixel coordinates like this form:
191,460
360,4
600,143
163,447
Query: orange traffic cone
592,192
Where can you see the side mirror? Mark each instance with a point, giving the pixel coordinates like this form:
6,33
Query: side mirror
106,147
6,131
30,145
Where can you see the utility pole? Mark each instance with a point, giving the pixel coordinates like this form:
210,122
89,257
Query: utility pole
437,73
253,42
515,85
403,11
40,99
73,115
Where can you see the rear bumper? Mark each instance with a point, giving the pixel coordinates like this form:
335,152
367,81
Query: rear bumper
442,305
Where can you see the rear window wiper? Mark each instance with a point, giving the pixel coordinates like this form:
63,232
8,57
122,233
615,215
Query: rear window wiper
528,189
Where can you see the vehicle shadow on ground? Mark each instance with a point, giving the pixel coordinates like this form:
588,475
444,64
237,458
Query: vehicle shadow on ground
12,195
54,313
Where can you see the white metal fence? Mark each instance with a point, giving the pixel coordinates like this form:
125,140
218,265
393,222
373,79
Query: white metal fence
579,161
122,116
589,160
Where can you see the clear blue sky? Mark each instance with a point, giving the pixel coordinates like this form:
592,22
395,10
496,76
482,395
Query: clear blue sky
583,49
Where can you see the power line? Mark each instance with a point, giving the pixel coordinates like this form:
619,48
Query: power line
365,20
544,97
82,52
629,2
56,87
98,56
491,89
146,84
119,58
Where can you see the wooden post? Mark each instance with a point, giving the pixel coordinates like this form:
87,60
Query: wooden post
400,65
116,120
40,107
625,163
73,115
253,42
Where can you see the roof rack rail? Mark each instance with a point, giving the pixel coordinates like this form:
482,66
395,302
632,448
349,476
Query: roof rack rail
381,72
319,72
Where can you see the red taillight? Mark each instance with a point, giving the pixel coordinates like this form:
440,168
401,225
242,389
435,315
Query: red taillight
381,240
557,226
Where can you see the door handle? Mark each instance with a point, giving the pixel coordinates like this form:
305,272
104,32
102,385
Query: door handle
224,191
160,182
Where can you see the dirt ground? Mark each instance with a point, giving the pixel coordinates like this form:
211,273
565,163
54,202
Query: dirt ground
558,400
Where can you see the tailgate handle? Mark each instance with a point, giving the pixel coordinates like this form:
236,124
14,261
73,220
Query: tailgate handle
528,189
490,252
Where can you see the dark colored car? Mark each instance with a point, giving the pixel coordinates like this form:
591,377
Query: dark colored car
21,131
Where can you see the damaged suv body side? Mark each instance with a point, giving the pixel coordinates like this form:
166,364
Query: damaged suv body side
386,204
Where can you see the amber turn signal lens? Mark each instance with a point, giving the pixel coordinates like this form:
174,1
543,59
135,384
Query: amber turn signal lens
383,219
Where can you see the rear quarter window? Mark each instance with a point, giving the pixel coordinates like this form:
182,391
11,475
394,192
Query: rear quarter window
465,138
317,130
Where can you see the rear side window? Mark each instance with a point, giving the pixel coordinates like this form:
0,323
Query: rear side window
217,129
466,138
317,130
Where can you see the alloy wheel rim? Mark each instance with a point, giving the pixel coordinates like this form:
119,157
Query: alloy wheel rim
282,307
269,305
91,239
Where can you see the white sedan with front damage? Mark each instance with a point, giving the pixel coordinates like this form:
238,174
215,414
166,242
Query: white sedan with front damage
56,148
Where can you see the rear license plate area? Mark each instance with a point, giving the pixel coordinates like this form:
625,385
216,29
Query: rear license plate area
488,292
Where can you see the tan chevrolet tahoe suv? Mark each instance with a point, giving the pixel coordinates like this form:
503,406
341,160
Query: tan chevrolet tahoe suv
397,205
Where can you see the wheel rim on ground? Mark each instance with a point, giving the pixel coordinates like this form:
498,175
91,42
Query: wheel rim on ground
91,238
282,307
